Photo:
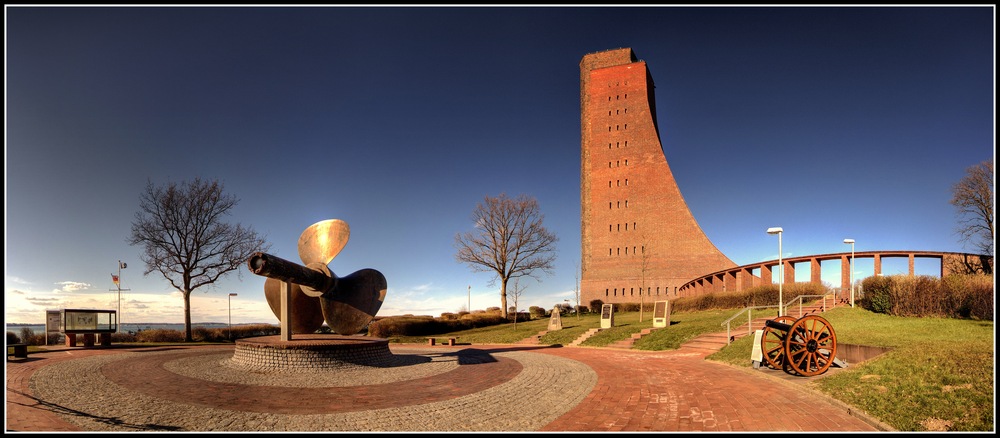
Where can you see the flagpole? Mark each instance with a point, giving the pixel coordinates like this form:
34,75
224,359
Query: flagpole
118,284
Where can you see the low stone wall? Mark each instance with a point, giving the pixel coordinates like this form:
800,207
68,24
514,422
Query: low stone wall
310,352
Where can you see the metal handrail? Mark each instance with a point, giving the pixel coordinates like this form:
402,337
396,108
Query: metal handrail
749,311
800,299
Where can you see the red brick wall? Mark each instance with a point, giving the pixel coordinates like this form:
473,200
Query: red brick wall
636,230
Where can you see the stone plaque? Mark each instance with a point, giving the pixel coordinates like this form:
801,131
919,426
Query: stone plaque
661,314
555,322
757,354
607,316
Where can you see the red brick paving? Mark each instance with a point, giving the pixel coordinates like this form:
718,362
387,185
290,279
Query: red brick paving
676,391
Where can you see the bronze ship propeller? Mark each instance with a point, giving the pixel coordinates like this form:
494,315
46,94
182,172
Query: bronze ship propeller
315,294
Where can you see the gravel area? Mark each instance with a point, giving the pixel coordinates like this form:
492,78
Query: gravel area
545,388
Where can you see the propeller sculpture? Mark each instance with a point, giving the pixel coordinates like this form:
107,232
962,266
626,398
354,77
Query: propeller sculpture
302,297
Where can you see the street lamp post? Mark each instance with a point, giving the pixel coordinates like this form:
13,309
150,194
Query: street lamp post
851,241
231,295
781,269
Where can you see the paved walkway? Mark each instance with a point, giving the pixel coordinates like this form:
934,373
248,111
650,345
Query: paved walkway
465,387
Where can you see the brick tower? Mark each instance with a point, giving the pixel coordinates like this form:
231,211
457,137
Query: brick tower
638,237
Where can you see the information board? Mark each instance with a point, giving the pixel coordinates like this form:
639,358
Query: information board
607,316
661,314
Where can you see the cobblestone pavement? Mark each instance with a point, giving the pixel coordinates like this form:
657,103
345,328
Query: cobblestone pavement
459,388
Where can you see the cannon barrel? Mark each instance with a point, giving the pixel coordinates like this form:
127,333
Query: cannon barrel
775,324
280,269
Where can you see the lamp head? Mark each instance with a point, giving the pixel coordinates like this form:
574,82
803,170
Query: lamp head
848,240
233,294
774,230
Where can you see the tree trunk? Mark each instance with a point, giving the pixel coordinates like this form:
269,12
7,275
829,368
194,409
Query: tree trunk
503,297
187,317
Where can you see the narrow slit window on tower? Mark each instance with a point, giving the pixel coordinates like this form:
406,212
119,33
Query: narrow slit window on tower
626,126
626,226
626,181
619,227
626,203
605,292
609,145
609,227
626,250
626,162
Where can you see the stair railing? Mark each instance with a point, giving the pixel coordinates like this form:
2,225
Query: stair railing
749,312
799,298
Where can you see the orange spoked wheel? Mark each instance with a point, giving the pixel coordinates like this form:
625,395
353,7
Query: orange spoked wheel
772,344
810,346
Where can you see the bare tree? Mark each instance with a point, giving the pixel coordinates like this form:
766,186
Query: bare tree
644,268
973,197
509,240
576,285
515,293
185,239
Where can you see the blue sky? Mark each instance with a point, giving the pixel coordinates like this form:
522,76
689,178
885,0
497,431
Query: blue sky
831,122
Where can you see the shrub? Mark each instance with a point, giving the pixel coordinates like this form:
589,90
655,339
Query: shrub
627,307
424,326
877,295
536,312
596,305
160,335
12,338
582,309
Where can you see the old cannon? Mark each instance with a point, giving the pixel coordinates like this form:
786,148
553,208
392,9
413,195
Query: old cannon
806,346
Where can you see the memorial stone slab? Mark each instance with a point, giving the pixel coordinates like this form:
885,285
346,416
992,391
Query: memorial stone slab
555,321
661,314
607,316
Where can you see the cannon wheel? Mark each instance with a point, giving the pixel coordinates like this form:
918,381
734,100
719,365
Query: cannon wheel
810,346
772,344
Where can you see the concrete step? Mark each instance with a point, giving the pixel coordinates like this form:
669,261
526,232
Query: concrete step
584,337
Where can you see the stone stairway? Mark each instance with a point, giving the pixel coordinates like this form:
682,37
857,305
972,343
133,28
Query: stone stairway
534,339
627,343
709,343
583,337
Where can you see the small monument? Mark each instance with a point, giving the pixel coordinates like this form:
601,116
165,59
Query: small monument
555,321
607,316
661,314
757,353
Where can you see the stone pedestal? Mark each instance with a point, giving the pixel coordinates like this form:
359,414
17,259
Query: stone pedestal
311,351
